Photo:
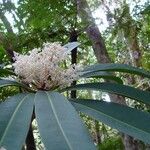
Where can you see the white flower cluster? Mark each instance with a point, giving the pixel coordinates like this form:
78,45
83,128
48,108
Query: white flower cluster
41,67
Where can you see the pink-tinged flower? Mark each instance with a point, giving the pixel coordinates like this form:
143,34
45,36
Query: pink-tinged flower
40,68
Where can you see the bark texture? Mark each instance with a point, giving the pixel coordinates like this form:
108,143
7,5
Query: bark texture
73,38
96,38
102,56
130,31
93,33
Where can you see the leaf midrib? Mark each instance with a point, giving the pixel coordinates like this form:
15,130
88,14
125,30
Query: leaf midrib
11,120
59,124
10,84
83,87
112,118
121,68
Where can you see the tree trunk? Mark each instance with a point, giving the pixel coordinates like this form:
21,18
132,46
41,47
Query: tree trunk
7,44
6,22
101,54
73,38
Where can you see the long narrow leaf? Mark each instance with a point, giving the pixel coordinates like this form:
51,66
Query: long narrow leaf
59,124
4,83
124,90
128,120
15,117
102,74
118,68
70,46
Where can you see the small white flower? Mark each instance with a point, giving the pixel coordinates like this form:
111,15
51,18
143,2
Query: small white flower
40,68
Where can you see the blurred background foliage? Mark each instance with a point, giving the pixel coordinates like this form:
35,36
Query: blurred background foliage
125,27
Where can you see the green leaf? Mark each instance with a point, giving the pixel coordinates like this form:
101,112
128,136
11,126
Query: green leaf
15,117
6,72
4,83
118,68
124,90
125,119
59,124
102,74
70,46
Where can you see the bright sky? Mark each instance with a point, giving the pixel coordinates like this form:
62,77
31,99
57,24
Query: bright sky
101,20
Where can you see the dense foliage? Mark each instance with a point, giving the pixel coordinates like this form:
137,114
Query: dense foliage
28,24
